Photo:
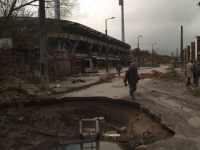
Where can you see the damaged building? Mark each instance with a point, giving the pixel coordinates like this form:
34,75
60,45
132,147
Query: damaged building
72,47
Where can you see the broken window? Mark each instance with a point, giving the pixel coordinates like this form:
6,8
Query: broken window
94,62
87,63
78,64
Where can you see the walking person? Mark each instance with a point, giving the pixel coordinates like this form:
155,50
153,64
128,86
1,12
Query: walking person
188,70
194,72
197,72
118,69
132,77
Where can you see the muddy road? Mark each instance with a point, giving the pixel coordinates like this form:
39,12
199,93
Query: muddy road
169,98
165,116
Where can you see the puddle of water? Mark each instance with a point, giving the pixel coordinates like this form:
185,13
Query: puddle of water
97,146
194,121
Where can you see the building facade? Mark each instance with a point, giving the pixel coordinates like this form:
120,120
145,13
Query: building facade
197,48
192,51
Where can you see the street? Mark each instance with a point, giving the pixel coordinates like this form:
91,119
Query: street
164,116
169,98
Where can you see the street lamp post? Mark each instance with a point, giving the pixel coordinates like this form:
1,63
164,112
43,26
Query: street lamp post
139,52
107,44
157,54
152,54
156,50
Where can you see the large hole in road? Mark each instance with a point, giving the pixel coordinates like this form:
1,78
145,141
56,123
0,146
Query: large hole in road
142,127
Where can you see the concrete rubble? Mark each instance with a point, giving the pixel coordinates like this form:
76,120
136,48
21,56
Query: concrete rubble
156,74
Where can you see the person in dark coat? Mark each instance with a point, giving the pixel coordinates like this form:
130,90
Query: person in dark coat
132,78
118,69
197,72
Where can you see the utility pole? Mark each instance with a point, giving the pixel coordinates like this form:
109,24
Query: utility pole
152,55
57,17
181,48
107,43
57,9
139,52
106,49
43,47
177,53
121,2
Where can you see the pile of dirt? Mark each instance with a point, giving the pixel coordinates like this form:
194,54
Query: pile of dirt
107,78
156,74
12,88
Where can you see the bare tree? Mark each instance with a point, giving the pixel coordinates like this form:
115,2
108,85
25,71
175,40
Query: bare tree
18,8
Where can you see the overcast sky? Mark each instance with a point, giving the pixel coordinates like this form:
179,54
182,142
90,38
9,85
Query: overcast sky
158,21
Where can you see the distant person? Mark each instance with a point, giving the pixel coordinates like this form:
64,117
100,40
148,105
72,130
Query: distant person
132,77
188,71
118,69
194,71
197,72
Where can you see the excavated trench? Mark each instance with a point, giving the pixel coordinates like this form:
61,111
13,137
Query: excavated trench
142,126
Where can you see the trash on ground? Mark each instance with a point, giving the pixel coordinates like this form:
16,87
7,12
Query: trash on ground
78,80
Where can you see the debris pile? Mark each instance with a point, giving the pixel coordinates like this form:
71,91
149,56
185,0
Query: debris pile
156,74
107,78
144,138
12,88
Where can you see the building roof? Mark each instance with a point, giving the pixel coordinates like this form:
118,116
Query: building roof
65,26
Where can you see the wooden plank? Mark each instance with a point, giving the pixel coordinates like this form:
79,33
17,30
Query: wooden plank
114,127
87,134
80,127
111,132
111,135
76,141
97,126
89,119
89,129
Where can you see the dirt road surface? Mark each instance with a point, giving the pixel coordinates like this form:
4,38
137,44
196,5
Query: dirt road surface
169,98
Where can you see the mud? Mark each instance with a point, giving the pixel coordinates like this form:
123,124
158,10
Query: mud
141,128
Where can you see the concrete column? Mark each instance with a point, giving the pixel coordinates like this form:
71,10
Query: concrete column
114,51
100,49
73,46
108,51
89,46
59,45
